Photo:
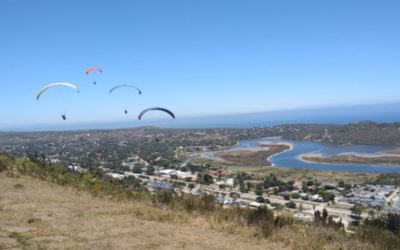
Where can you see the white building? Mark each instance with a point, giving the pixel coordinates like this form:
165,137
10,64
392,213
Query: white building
173,172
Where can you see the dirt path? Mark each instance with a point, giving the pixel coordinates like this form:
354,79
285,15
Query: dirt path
37,215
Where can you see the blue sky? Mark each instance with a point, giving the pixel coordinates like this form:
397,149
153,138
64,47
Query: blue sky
195,57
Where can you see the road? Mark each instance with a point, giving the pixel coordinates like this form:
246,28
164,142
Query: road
339,210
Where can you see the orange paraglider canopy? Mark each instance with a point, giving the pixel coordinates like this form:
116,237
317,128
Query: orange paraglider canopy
92,69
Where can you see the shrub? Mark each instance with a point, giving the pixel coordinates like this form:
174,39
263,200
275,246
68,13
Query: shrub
263,218
163,197
260,199
18,186
5,162
295,195
283,220
290,204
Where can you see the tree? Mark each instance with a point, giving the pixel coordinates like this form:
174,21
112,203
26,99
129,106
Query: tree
371,214
317,217
205,179
291,204
393,223
249,185
243,188
150,170
259,190
310,183
295,195
137,169
356,211
234,195
341,184
304,187
327,196
260,199
324,216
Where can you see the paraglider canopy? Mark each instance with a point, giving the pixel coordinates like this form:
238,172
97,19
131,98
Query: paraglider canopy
156,108
51,85
126,86
89,70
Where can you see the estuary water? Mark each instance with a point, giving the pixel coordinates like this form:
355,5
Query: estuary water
291,158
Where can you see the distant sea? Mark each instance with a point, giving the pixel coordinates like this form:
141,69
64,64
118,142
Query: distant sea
381,113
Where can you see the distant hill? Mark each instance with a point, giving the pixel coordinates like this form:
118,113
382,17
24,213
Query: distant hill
365,132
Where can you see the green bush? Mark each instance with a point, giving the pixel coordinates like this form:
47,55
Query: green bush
295,195
290,204
4,163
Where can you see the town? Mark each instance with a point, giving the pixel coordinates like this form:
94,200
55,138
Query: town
160,159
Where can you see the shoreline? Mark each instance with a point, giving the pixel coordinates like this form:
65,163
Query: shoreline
322,157
262,146
290,145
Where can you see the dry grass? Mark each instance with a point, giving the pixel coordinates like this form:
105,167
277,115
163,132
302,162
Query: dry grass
38,214
42,215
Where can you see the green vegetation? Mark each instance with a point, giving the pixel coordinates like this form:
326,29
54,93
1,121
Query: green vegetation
204,179
387,179
291,204
22,241
383,230
249,158
353,159
320,235
366,132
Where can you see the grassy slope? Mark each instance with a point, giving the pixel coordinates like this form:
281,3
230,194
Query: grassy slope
40,214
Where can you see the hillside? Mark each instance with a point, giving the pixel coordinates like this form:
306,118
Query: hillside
46,207
36,214
366,132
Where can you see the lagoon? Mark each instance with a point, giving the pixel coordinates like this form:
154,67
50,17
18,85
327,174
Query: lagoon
291,158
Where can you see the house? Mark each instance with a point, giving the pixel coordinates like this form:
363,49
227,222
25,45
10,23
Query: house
116,176
159,184
173,172
76,168
227,182
317,197
297,184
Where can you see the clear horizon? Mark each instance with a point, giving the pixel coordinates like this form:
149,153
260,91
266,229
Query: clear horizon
380,113
199,59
